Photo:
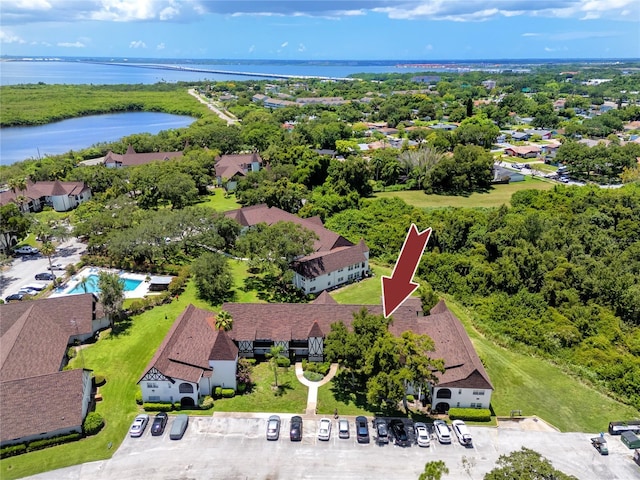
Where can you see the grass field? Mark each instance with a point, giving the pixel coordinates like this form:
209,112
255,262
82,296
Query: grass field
499,195
521,382
289,397
218,202
121,358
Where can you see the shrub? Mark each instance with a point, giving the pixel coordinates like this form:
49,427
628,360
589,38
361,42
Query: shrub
228,393
305,363
206,403
217,392
242,387
12,450
177,406
71,353
313,376
283,362
157,406
49,442
470,414
139,397
410,398
93,423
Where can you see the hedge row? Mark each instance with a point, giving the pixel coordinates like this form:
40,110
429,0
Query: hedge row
12,450
470,414
160,406
318,367
219,392
142,304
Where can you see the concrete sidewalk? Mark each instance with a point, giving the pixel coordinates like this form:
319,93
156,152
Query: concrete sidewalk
312,398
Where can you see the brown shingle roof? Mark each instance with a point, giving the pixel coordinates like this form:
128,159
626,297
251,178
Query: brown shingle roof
43,189
320,263
229,165
34,335
223,347
45,403
325,298
255,214
187,348
131,158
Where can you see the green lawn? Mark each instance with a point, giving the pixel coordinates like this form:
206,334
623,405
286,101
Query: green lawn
218,202
121,358
537,387
289,397
521,382
499,195
239,273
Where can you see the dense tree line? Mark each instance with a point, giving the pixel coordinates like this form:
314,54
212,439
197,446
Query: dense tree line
558,271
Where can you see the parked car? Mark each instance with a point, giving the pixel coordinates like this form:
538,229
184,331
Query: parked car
38,287
600,444
27,291
273,427
14,297
324,429
442,431
422,434
26,250
45,276
343,428
462,432
382,433
399,432
159,422
138,425
362,430
179,426
295,431
55,266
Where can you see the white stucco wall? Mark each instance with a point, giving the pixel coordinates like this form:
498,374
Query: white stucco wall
159,391
331,279
62,203
224,373
464,397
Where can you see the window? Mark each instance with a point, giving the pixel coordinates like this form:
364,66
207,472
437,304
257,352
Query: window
473,405
186,388
443,393
152,385
340,279
312,289
312,279
459,391
458,404
478,392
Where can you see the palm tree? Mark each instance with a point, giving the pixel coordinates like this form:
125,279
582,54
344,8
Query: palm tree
111,294
274,354
224,321
48,250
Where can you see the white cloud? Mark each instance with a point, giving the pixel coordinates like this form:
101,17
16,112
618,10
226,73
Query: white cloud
71,45
137,44
8,37
529,34
301,47
284,44
160,46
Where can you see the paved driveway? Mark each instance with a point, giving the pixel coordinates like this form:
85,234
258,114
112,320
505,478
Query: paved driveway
228,447
23,269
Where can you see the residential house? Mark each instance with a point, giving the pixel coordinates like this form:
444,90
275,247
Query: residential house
550,149
489,84
194,358
321,101
186,356
526,151
130,158
61,196
504,175
39,399
230,168
335,260
544,134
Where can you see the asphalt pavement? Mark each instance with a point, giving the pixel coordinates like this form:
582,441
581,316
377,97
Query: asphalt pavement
24,268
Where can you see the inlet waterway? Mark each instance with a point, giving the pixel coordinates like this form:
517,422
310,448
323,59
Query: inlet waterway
21,143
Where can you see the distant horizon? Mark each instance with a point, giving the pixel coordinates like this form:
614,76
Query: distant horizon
470,30
36,57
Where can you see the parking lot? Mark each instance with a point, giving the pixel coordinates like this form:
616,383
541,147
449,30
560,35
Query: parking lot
232,447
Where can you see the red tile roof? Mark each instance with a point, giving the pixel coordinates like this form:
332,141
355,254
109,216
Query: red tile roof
46,403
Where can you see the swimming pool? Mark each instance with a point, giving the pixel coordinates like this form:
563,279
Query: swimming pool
92,285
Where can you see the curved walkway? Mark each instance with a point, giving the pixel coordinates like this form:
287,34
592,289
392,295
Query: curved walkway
312,397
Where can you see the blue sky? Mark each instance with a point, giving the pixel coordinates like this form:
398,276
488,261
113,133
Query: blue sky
426,30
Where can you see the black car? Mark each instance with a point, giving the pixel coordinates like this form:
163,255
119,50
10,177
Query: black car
382,433
362,430
295,431
159,422
14,297
45,276
399,432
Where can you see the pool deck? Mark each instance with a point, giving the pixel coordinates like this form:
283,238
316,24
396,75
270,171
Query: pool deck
139,292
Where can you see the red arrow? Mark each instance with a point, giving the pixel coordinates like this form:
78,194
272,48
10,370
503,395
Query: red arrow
397,288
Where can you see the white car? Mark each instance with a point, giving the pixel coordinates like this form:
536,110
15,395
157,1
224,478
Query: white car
27,291
138,425
26,250
442,431
422,434
324,429
462,432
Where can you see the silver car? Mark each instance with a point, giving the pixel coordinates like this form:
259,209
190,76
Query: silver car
343,428
138,425
273,427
